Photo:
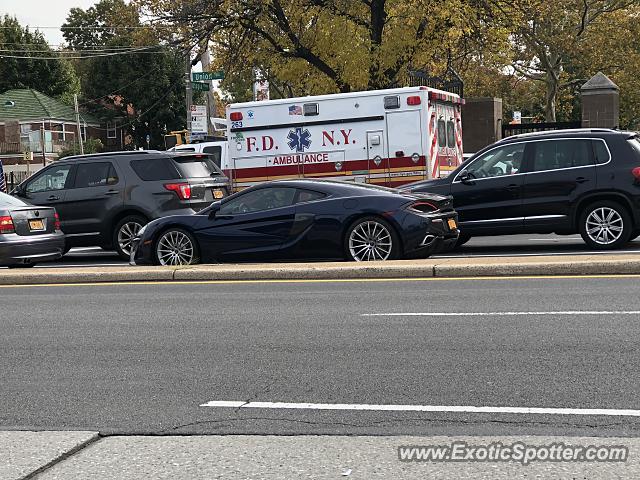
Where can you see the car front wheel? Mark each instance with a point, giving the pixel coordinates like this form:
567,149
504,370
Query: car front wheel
605,225
176,247
371,239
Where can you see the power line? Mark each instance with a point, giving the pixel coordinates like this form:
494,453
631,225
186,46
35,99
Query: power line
96,55
120,88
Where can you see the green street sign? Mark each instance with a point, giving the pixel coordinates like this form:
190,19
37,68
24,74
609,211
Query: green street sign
204,76
199,87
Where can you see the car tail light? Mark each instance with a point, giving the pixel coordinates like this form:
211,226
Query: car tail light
423,207
413,100
6,225
235,116
636,173
183,190
56,222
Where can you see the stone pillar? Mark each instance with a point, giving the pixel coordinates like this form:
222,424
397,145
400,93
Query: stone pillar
481,123
600,103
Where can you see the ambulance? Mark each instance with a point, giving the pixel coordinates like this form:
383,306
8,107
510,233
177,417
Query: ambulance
384,137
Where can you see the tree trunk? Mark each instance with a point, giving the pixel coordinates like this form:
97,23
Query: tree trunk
378,18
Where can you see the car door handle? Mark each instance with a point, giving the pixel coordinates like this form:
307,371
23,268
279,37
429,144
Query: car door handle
53,197
224,217
112,192
513,187
581,179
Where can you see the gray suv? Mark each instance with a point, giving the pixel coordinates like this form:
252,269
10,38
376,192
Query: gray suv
105,199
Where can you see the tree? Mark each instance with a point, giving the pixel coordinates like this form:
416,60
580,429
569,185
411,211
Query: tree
552,34
141,84
318,46
27,61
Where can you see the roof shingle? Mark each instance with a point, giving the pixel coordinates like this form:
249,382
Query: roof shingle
27,104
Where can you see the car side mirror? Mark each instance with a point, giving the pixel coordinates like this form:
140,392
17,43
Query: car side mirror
19,191
213,210
465,177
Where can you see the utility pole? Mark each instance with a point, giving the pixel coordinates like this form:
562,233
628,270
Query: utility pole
189,91
75,102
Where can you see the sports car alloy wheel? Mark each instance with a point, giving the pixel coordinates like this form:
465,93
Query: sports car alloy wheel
604,225
126,234
175,248
370,240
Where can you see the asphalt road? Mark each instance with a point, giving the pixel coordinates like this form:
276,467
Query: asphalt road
502,246
144,358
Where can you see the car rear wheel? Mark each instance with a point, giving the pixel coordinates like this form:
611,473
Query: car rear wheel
176,247
371,239
125,231
605,225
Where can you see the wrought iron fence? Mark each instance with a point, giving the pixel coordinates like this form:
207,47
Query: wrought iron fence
517,128
13,179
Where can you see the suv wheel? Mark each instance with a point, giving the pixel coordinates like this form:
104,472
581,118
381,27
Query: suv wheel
605,225
176,247
124,233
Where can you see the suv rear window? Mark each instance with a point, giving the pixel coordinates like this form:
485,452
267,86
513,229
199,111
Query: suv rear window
151,169
601,151
197,166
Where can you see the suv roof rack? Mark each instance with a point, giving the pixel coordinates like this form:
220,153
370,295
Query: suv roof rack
112,154
559,132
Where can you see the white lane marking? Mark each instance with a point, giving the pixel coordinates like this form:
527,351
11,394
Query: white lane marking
423,408
568,239
85,249
500,314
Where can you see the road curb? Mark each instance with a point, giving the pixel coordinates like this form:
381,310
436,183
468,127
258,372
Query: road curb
454,268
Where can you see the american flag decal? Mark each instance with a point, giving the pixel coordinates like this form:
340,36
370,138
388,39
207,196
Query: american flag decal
3,185
295,110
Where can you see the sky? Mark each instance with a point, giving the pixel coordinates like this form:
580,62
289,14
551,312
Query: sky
43,13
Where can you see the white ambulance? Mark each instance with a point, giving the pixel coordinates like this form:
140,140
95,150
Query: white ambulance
385,137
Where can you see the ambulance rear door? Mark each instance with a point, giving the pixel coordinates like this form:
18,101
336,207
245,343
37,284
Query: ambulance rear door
406,161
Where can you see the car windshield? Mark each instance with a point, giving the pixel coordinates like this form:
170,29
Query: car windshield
197,166
9,201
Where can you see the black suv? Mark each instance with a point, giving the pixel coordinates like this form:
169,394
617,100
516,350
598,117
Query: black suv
104,199
564,182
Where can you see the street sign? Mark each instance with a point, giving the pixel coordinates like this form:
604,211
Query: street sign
199,87
198,119
205,76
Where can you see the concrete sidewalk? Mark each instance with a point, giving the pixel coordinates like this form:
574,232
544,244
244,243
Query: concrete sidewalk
454,267
278,457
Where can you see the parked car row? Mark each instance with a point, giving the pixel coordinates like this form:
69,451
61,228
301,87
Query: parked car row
173,208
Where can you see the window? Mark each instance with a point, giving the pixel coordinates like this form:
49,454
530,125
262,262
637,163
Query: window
258,200
310,109
601,151
215,153
309,196
391,102
95,174
9,201
152,169
111,130
451,134
557,154
498,162
196,166
442,133
53,178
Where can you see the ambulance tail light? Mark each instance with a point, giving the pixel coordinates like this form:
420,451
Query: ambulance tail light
235,116
413,101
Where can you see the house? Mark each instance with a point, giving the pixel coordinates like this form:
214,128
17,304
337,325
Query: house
29,119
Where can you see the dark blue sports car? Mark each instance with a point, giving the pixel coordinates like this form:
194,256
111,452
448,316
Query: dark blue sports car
307,219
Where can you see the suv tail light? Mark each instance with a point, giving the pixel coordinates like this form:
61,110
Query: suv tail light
183,190
423,207
636,173
6,225
56,222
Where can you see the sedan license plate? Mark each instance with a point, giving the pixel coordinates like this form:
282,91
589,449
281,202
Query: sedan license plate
36,225
218,194
452,224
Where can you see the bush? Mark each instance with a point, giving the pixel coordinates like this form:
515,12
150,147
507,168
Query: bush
93,145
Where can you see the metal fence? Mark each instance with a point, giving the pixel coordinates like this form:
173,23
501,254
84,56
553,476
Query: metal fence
517,128
13,179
